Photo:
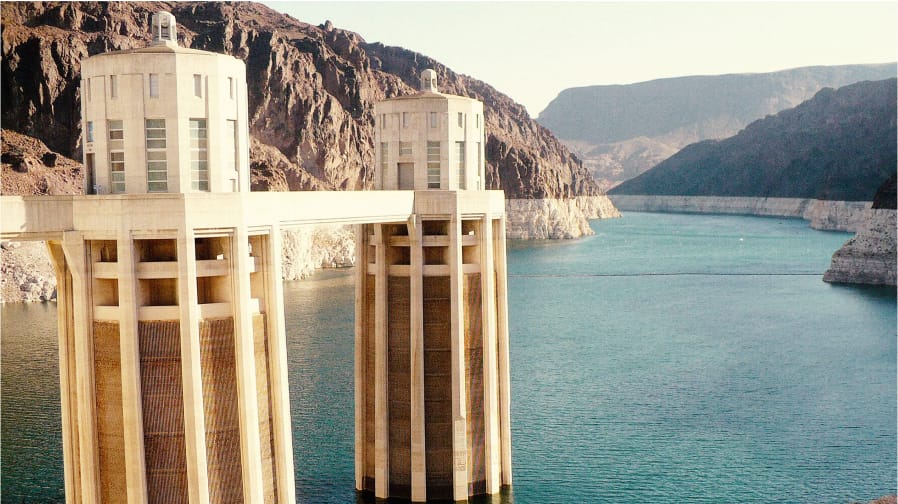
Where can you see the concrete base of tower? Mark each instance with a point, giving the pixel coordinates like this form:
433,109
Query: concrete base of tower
431,371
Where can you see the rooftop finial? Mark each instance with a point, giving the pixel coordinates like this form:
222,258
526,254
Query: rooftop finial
429,81
165,31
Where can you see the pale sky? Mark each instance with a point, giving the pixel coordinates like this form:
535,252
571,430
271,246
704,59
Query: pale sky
533,50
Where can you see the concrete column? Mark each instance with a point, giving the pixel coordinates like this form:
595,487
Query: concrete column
504,364
132,403
359,371
191,369
277,349
67,374
244,355
381,371
73,247
416,352
457,342
492,435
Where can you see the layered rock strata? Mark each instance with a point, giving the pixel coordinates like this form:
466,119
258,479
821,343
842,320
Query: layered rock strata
541,219
823,215
869,257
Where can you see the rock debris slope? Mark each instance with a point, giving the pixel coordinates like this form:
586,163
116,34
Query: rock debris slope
311,96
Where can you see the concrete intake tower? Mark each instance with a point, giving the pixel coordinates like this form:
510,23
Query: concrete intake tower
172,348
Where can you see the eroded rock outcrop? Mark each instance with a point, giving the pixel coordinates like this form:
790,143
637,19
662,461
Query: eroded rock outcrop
547,218
870,256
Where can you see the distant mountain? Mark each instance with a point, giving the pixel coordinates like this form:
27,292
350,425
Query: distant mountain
840,145
620,131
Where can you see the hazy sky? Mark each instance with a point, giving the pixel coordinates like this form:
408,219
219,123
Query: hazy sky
533,50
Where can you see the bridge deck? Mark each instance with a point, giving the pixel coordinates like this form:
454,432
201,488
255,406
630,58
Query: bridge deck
48,217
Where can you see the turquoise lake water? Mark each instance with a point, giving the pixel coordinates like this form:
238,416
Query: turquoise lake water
669,358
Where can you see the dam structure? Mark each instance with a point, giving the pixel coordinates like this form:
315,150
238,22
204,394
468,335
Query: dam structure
172,343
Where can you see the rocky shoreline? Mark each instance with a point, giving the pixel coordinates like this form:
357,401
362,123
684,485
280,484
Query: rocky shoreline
822,214
554,219
870,256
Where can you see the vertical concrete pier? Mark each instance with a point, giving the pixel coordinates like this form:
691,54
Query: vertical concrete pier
173,362
432,387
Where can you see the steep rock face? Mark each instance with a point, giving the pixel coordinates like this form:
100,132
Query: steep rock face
311,92
870,256
837,146
552,219
621,131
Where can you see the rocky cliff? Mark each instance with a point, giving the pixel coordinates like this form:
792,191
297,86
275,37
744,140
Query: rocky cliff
311,92
839,145
621,131
870,256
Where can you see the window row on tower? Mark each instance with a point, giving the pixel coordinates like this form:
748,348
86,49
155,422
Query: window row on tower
153,86
433,119
157,146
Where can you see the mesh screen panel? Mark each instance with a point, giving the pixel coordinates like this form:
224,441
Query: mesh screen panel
110,422
219,373
163,411
437,387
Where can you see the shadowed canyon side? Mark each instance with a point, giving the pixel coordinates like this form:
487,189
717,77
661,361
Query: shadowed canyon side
621,131
311,95
837,147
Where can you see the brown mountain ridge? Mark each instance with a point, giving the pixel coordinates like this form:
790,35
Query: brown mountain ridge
311,92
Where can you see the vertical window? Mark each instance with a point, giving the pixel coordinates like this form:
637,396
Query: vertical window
433,119
113,86
157,165
383,121
433,165
405,119
231,87
384,152
154,85
198,85
230,147
116,156
477,119
90,131
199,167
87,88
460,152
405,148
479,166
461,119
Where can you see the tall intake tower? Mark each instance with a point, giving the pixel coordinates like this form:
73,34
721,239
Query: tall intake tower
432,377
172,346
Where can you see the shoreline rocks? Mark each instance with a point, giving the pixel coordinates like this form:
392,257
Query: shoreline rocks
822,214
869,257
548,218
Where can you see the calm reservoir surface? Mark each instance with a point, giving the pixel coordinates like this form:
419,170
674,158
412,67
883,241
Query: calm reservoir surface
669,358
